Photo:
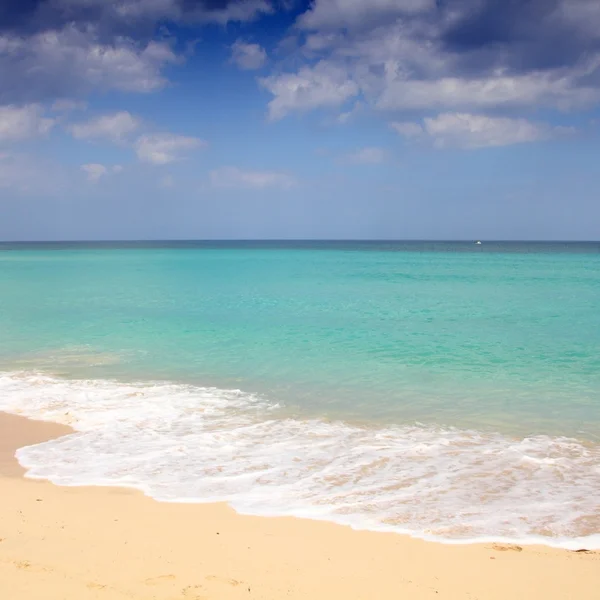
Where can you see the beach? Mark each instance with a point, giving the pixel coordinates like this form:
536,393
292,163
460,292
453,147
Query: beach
299,300
437,390
357,421
112,543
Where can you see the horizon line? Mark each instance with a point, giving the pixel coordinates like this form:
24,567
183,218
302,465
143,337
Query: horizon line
296,240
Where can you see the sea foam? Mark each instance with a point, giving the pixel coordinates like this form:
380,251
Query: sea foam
183,443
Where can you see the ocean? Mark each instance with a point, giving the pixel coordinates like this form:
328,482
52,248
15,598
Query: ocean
446,390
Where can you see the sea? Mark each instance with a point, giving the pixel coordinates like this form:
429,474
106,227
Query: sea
445,390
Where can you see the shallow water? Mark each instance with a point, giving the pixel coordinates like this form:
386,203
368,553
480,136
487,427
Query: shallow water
445,390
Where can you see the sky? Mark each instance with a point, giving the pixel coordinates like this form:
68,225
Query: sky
290,119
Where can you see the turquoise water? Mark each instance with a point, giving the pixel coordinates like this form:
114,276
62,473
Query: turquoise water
379,374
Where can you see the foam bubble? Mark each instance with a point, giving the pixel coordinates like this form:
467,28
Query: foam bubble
182,443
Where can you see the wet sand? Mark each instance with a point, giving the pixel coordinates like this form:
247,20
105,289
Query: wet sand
110,543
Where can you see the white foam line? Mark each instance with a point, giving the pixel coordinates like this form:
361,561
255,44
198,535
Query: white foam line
180,443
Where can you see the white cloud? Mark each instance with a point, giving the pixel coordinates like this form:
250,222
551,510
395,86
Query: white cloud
321,41
248,56
407,129
139,13
338,14
220,13
476,131
370,155
419,55
94,171
346,116
68,105
135,8
233,177
153,148
70,61
115,127
323,85
163,148
452,92
384,72
23,122
240,11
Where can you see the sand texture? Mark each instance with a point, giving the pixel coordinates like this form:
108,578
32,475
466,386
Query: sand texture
61,543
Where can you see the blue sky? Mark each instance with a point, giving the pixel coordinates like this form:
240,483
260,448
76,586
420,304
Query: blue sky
395,119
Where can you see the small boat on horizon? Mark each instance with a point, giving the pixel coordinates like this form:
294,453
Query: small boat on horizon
478,242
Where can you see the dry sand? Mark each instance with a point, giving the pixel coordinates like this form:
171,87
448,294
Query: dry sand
107,543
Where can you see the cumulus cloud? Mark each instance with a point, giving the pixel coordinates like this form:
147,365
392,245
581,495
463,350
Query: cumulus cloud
126,15
407,129
370,155
478,34
348,115
67,48
454,55
115,127
323,85
119,128
65,105
547,89
69,62
359,14
233,177
164,148
223,12
476,131
248,56
23,122
94,171
344,117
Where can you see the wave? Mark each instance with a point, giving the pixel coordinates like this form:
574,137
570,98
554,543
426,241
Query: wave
184,443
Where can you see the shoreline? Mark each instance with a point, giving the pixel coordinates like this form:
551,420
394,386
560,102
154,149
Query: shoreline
454,513
113,543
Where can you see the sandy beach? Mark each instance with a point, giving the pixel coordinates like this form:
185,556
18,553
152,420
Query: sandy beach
108,543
